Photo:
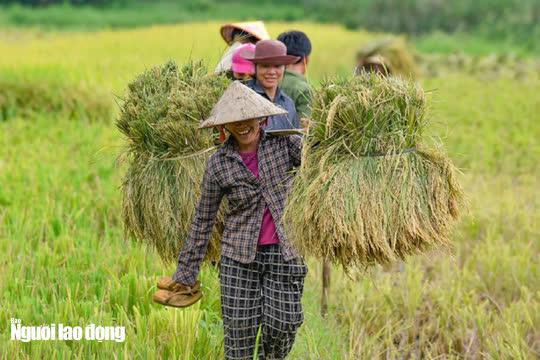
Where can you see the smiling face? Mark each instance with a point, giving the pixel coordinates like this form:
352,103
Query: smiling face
246,133
269,75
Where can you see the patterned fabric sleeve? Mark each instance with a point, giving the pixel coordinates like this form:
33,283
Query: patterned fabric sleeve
194,249
294,143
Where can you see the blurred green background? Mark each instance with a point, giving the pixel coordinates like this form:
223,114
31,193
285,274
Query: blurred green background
514,24
64,259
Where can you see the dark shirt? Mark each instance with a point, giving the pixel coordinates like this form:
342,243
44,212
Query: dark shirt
279,122
295,85
226,175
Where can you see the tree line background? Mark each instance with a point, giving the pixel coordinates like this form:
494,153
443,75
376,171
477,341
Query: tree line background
515,20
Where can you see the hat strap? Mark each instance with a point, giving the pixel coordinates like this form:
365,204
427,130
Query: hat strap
222,134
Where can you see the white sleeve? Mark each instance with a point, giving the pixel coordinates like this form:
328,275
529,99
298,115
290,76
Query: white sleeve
225,64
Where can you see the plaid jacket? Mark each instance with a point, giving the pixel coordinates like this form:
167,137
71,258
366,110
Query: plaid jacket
247,197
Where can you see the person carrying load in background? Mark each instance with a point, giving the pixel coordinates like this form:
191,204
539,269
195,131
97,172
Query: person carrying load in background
294,82
243,69
375,64
389,56
237,34
261,274
270,58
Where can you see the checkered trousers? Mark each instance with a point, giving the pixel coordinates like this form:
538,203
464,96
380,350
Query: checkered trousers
266,292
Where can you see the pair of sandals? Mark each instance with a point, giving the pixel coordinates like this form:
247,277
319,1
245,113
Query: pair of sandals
173,294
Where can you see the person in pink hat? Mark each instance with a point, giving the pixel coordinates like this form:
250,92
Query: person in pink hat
243,69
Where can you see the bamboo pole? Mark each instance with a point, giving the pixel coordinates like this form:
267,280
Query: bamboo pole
325,287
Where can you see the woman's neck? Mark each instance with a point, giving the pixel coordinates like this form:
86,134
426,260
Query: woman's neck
248,148
271,92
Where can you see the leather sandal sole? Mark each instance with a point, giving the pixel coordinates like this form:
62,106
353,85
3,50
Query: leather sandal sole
169,298
167,283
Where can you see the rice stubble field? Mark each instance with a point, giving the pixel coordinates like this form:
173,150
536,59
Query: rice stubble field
65,260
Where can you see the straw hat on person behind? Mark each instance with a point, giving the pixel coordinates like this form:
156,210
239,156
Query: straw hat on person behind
270,52
255,28
240,103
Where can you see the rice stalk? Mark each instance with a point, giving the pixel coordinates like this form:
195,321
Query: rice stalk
370,189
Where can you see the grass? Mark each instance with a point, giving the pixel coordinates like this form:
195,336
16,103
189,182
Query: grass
24,96
64,259
109,59
512,22
442,43
142,13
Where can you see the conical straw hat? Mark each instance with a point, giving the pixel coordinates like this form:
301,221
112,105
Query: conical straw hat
255,28
239,103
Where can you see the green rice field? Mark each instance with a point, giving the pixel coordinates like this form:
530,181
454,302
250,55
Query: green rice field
64,258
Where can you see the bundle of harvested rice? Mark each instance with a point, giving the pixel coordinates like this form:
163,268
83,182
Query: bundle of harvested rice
369,189
167,153
393,52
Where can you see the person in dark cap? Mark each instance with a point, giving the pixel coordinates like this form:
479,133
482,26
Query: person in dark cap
294,81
